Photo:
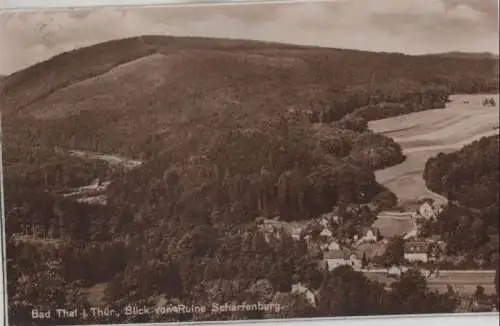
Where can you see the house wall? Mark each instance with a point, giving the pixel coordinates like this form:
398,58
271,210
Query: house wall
370,236
326,233
355,263
333,263
333,246
416,257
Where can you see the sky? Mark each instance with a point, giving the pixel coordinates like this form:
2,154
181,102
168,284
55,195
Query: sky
82,3
407,26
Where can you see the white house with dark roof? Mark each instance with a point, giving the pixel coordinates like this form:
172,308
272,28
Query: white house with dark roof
422,251
342,257
416,251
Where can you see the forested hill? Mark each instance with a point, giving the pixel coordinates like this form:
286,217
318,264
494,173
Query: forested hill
167,80
225,120
469,178
466,73
228,131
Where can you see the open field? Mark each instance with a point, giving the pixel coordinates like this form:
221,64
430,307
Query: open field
425,134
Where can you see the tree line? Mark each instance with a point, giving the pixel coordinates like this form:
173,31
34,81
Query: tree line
469,179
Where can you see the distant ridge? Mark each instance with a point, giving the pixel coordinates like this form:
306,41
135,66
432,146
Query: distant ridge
467,55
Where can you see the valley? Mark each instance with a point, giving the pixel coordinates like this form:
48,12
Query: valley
191,169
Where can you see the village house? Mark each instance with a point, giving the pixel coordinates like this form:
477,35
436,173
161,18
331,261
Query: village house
334,259
427,211
330,245
326,233
295,233
333,245
328,219
370,234
342,257
422,251
324,222
396,271
416,251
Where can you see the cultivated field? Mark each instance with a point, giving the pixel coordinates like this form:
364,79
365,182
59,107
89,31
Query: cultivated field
424,134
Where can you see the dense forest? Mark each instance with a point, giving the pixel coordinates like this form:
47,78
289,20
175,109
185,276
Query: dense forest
228,131
469,179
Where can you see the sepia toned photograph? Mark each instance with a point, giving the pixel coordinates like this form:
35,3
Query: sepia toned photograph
251,161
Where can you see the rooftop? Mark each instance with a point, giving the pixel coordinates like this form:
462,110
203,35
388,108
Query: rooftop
418,246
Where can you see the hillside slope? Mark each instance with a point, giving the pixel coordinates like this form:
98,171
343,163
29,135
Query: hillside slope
227,131
285,117
157,84
469,175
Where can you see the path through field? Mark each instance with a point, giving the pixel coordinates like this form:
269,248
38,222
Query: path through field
425,134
